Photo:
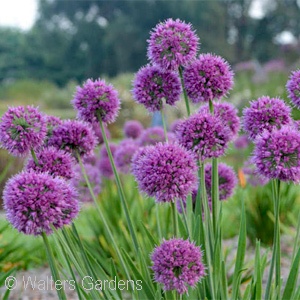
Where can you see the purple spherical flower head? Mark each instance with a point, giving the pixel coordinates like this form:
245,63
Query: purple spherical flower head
293,88
204,134
75,137
36,201
78,181
98,132
227,180
152,136
277,154
172,44
207,78
133,129
165,171
152,86
103,163
53,161
96,99
177,264
124,153
22,129
228,115
265,114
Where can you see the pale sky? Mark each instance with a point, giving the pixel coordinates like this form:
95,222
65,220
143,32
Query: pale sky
18,13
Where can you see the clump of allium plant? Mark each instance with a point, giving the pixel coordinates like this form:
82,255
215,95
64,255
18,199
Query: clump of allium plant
96,100
36,201
22,129
177,265
207,78
165,171
293,88
265,113
133,129
172,44
153,86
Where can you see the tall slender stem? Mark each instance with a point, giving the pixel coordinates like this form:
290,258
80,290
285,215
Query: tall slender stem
164,123
34,157
60,292
175,220
186,99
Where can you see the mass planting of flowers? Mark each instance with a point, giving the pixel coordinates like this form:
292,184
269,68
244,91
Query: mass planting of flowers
175,250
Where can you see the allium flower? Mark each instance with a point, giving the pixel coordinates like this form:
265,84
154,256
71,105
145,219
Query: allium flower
172,44
98,132
177,264
78,181
124,153
22,129
103,163
36,201
252,175
241,142
152,136
293,88
75,137
53,161
227,180
133,129
96,98
165,171
152,86
204,134
207,78
265,114
228,115
277,154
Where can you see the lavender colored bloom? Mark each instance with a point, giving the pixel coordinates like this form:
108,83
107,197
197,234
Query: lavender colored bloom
22,129
252,175
165,171
75,137
227,180
265,114
177,264
204,134
241,142
96,98
172,44
293,88
228,115
124,153
36,201
152,136
133,129
207,78
98,132
152,86
53,161
277,154
78,181
103,163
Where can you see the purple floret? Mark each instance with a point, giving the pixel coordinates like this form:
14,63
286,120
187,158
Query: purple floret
133,129
96,99
165,171
277,154
207,78
204,134
172,44
227,114
177,264
265,114
22,129
293,88
153,86
36,201
75,137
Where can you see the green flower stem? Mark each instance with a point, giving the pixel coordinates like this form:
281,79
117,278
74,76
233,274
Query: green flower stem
119,186
102,215
186,99
34,157
175,220
164,123
60,292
